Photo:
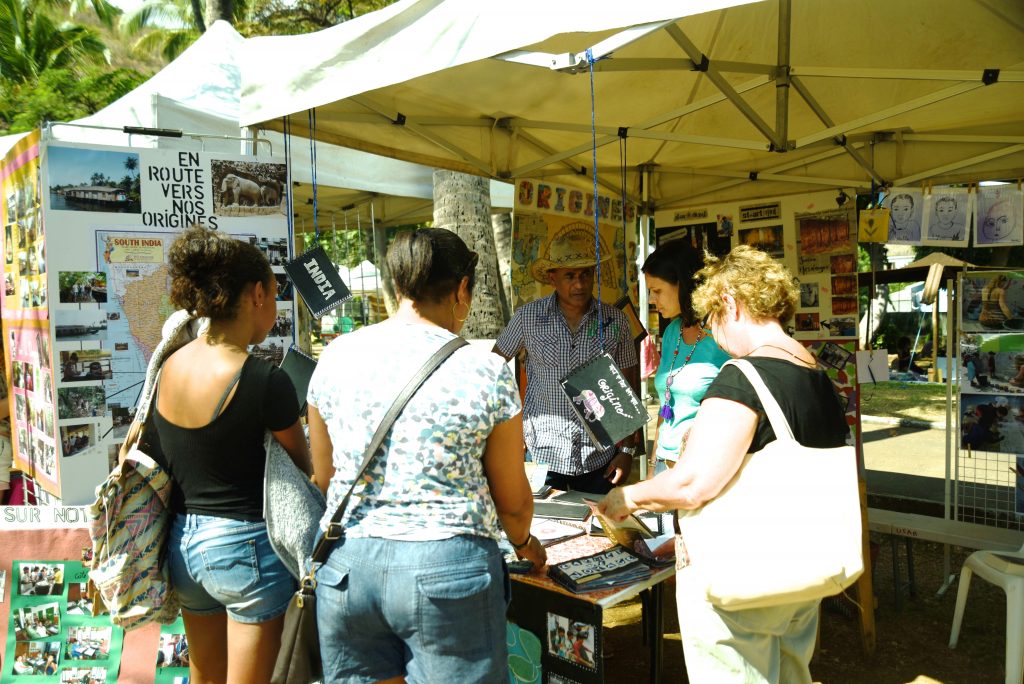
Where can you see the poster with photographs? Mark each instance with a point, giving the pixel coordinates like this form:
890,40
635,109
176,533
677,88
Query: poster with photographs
52,636
571,640
701,236
999,219
992,302
552,219
114,213
906,212
172,654
25,281
948,213
827,275
838,361
992,423
33,424
991,364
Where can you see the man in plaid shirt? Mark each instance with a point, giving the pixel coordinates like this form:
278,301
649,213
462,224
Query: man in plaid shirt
559,333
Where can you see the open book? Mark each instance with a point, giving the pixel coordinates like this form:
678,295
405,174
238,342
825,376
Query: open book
634,536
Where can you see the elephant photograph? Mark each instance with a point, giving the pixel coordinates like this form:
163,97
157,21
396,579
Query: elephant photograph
248,188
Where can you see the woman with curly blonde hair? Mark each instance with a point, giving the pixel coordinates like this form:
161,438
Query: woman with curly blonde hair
746,297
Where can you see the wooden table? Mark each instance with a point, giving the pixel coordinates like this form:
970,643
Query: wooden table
538,603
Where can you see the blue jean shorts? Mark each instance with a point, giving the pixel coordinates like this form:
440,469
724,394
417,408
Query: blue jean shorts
431,610
220,564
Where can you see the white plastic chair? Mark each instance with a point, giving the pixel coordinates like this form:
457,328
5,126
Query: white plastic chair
1006,570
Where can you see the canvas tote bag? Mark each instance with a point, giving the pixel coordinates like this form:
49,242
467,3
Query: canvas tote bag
787,527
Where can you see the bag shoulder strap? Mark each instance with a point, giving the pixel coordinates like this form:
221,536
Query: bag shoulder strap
333,533
776,417
231,386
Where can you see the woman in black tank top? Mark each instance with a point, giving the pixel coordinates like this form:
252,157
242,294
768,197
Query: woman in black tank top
745,297
212,406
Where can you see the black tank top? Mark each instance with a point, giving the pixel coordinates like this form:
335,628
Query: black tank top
217,469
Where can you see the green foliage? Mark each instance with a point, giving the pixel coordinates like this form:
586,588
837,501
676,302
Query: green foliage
278,17
62,95
32,41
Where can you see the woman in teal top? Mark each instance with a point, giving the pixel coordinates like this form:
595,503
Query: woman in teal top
690,359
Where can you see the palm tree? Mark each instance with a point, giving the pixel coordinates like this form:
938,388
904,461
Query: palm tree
31,42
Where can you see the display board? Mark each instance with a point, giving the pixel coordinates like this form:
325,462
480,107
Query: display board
88,242
990,461
52,635
814,236
546,212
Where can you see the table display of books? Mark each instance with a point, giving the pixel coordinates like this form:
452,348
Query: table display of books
609,568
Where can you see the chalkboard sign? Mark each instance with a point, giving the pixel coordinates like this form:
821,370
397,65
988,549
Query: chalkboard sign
607,406
317,281
299,367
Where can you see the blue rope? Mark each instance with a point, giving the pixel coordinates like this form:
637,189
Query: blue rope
312,162
597,207
286,128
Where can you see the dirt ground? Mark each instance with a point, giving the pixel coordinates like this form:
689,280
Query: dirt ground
911,642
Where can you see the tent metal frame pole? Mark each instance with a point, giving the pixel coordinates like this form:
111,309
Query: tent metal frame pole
916,103
577,170
966,75
703,103
723,85
518,123
792,164
419,130
819,111
782,77
642,252
934,137
988,156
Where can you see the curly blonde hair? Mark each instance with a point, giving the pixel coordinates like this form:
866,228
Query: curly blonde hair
764,286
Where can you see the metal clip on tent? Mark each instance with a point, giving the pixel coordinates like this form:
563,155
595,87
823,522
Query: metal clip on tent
162,132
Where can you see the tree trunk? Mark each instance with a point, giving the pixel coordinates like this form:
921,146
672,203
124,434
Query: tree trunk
198,15
380,250
220,9
501,224
462,204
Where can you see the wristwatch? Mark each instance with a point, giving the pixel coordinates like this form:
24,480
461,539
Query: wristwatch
628,450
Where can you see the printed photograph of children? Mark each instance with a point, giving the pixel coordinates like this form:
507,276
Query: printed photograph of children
41,580
570,640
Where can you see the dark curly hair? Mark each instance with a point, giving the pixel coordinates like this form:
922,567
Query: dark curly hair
677,263
428,264
209,270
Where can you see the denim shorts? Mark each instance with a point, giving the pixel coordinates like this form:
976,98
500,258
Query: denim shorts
431,610
220,564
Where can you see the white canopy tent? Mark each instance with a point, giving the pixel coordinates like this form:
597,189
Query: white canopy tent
200,93
795,95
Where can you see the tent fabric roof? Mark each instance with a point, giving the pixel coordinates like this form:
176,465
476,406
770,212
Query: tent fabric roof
857,90
200,92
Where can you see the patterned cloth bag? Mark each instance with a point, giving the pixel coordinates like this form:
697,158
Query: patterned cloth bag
129,522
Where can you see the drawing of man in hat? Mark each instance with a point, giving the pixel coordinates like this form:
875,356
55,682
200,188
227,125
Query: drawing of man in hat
559,333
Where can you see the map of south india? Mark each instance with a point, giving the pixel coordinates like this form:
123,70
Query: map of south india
146,306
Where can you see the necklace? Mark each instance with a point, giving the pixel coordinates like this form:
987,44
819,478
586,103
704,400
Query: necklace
783,349
666,411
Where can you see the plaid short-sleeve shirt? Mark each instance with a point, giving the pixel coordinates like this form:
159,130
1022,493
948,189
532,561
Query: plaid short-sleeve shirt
552,431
